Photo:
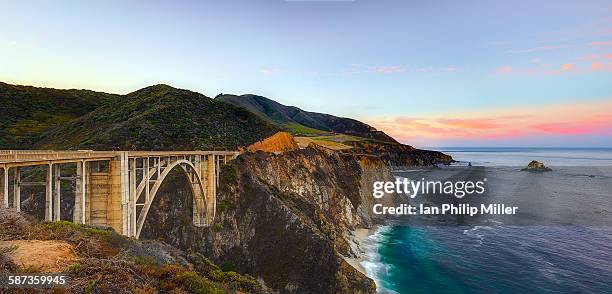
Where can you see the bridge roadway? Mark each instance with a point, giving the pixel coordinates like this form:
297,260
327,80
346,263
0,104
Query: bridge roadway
113,188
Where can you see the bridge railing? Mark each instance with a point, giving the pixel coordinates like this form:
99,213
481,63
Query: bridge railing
15,156
11,156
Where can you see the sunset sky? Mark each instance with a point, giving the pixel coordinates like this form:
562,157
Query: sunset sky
430,73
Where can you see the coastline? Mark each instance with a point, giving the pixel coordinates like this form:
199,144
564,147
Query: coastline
357,239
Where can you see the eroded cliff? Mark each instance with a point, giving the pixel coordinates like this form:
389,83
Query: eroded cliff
286,218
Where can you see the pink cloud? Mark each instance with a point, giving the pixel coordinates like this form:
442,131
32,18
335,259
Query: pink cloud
580,118
535,49
596,66
595,56
504,70
567,66
563,128
601,43
573,128
590,64
481,123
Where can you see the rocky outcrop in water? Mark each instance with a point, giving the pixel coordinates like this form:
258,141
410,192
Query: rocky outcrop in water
536,166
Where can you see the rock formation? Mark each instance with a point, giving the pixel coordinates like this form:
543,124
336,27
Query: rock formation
279,142
395,154
285,219
535,165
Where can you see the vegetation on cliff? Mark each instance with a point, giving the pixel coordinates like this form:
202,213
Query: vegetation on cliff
105,262
399,154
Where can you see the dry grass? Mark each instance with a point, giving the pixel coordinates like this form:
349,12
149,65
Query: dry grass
40,256
103,262
334,142
279,142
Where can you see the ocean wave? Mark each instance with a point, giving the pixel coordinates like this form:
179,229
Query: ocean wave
372,263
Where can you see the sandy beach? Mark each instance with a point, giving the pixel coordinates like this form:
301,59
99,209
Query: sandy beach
359,235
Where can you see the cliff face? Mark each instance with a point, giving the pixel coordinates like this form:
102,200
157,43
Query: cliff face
285,219
279,142
400,154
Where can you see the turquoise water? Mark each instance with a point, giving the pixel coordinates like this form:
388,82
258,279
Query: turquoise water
498,258
494,259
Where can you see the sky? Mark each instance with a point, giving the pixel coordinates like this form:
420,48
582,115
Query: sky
429,73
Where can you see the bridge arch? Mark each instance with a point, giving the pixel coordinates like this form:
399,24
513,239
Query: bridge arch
197,189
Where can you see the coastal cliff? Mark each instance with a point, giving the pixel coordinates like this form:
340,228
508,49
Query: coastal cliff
286,219
398,155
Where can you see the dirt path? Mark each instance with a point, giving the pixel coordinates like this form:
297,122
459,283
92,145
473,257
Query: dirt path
43,256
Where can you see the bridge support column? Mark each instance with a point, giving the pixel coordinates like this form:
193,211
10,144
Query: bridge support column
119,202
57,186
132,216
81,193
49,193
5,187
211,180
17,190
199,205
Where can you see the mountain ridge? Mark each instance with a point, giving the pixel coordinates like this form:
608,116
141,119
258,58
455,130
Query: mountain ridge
28,111
161,117
157,117
301,122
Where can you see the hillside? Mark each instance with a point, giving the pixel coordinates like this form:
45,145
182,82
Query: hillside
26,112
160,118
100,261
337,133
301,122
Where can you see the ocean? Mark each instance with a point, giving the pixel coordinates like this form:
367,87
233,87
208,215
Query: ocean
567,248
514,156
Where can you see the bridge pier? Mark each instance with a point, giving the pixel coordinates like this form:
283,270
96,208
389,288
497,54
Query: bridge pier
57,196
17,189
80,196
5,187
211,184
49,193
118,204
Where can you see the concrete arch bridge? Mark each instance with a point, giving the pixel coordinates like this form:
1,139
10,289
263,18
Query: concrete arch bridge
113,188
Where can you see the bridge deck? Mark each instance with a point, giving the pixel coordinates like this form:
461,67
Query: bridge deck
33,157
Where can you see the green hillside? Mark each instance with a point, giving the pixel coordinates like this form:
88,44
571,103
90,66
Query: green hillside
301,122
26,112
159,118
